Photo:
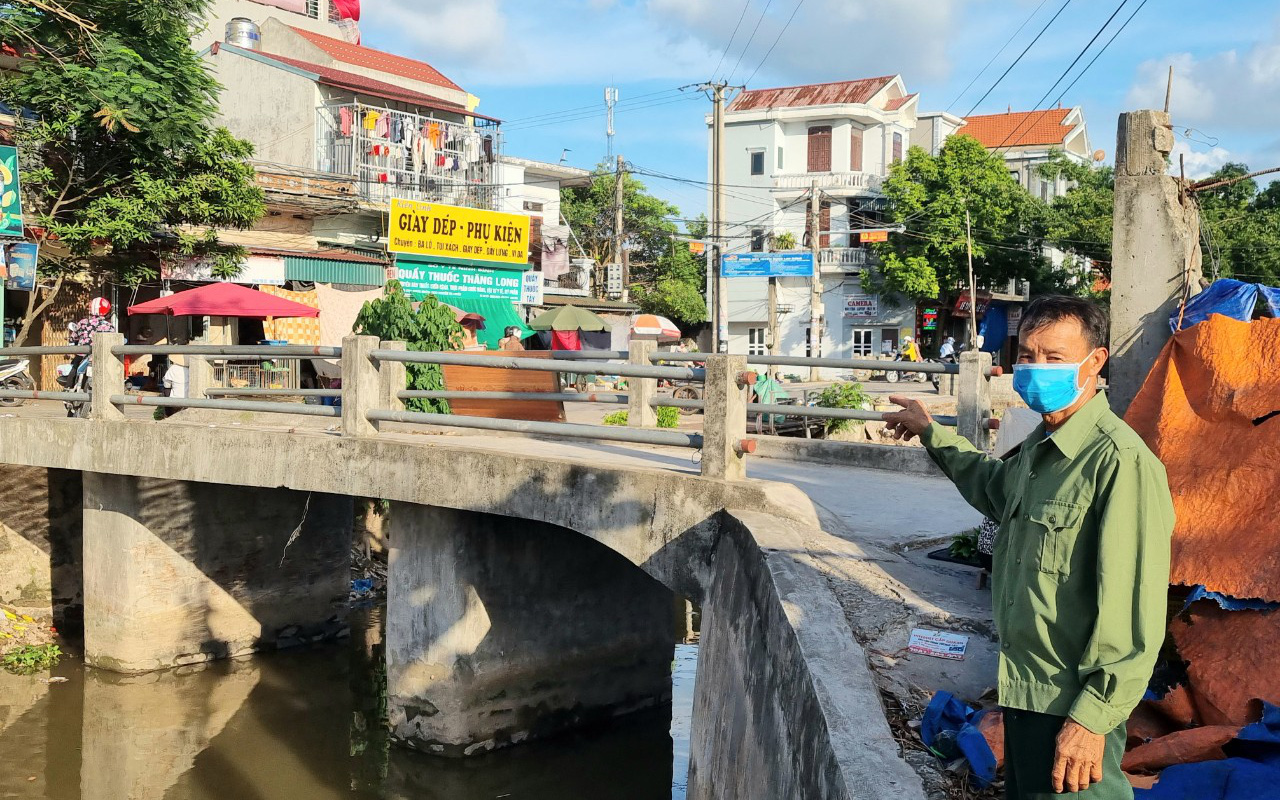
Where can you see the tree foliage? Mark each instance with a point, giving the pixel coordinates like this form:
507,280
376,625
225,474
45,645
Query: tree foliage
432,327
1241,228
1079,221
118,151
665,277
929,196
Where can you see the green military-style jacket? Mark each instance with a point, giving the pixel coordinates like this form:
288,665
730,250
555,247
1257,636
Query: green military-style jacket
1081,565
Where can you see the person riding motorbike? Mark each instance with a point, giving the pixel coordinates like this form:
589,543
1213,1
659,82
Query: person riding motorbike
78,376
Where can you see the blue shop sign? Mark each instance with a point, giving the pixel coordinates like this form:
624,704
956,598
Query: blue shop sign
765,265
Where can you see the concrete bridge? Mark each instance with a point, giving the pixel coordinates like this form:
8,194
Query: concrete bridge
528,593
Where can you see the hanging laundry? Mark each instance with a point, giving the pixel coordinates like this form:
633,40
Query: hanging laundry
441,160
433,134
397,129
381,126
344,117
371,120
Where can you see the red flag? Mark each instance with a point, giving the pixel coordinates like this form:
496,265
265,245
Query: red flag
348,9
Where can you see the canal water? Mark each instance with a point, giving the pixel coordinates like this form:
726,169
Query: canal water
302,725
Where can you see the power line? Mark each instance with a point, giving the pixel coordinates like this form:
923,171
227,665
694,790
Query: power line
599,112
999,52
1104,49
750,39
733,36
794,11
1019,58
1018,128
535,117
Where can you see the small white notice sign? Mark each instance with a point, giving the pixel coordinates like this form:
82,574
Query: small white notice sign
938,644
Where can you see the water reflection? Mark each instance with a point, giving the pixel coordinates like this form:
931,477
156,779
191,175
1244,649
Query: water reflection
301,724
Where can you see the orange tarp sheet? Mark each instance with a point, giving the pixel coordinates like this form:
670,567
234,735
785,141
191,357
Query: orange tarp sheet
1210,410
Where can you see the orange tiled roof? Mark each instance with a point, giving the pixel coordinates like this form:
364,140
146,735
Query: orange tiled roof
813,94
369,58
1019,128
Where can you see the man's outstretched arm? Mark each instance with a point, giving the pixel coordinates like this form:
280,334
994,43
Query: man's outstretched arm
979,479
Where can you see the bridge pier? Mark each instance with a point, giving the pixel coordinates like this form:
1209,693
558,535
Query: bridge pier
178,572
502,630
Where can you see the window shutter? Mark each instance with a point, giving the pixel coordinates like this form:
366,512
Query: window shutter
535,241
897,147
824,224
855,151
820,149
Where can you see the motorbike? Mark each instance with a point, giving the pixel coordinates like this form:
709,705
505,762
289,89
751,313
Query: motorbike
76,377
936,378
15,376
893,376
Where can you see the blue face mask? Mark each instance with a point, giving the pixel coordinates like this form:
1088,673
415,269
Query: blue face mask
1048,388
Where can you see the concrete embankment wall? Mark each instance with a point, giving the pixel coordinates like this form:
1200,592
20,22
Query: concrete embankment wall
40,533
785,704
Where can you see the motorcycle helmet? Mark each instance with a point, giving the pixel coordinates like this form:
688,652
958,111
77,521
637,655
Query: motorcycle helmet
99,306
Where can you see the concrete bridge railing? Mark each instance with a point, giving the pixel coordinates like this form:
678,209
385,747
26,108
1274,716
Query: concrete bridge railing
374,390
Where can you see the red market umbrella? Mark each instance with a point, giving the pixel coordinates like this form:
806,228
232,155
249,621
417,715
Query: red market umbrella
224,300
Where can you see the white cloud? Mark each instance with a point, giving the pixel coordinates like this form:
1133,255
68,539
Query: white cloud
599,41
827,40
1229,90
1199,163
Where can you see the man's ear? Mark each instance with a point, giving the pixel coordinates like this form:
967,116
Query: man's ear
1097,360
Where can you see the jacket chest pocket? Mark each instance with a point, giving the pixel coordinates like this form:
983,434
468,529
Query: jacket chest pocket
1058,524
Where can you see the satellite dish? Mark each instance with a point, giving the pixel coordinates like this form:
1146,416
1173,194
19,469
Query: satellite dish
1098,155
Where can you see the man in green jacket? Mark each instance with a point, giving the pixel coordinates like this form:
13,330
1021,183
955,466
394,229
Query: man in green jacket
1081,566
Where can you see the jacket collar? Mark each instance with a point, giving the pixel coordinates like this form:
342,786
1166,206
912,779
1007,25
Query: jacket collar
1079,427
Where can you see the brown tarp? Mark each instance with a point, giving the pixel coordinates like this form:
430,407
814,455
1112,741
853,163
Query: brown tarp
1233,661
1210,409
489,379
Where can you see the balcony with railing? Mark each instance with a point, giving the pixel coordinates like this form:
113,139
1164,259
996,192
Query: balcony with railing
392,153
829,181
846,259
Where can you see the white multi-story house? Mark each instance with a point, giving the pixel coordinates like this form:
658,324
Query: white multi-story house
1027,138
779,143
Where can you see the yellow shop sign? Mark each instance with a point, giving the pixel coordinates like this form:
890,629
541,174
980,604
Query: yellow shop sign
440,231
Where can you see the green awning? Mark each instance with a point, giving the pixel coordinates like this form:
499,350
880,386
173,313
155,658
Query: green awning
498,315
328,270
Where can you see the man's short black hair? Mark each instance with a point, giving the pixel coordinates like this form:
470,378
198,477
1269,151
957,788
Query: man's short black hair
1052,308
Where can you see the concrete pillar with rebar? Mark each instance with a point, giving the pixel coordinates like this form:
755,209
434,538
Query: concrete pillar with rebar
973,400
724,443
362,385
107,376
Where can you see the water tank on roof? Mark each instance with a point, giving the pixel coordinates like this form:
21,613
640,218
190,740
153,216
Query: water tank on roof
244,32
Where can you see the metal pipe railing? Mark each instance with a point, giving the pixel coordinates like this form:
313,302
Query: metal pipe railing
249,392
32,394
227,405
590,355
229,351
834,363
553,397
567,429
61,350
540,365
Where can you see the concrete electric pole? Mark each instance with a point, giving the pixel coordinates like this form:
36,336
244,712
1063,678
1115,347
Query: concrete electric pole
619,197
815,283
1155,261
720,306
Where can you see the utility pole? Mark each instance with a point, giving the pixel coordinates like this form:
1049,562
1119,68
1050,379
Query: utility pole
618,198
720,307
973,290
815,283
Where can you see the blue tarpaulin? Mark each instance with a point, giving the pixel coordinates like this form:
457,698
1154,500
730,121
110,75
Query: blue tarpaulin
949,728
1228,603
995,327
1229,298
1251,771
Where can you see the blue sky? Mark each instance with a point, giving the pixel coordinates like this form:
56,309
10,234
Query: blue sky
542,65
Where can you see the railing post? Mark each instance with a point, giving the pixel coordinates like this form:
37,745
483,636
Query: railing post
108,376
725,418
973,398
199,377
361,385
641,391
394,377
